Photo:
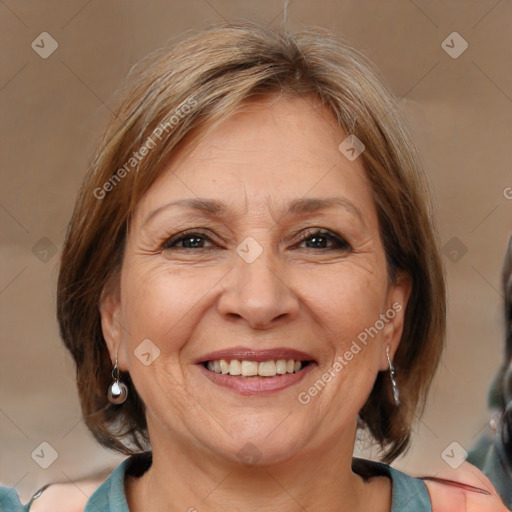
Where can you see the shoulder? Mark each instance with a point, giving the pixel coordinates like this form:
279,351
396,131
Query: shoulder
9,500
70,497
466,489
98,495
110,496
407,492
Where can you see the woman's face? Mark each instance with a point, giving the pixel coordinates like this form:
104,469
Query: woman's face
260,246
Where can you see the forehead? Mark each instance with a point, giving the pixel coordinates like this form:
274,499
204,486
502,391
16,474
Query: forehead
273,151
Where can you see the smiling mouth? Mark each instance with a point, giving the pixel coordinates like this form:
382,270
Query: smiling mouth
255,369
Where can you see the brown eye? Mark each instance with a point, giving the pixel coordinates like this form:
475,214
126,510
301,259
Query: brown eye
191,240
323,239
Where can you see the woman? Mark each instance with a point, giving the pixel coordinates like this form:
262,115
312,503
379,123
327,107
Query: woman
251,275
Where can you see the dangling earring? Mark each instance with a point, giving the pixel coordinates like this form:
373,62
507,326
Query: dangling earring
396,393
117,391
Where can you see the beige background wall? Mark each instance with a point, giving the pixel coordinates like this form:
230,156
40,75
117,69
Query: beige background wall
54,109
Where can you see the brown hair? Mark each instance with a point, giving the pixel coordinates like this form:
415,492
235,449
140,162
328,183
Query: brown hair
192,85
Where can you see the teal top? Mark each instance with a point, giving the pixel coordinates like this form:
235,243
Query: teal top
409,494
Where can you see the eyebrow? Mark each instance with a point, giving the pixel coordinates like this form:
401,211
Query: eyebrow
216,208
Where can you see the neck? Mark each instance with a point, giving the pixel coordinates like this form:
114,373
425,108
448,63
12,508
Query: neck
185,478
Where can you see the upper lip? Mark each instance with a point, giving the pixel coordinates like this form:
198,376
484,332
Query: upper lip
250,354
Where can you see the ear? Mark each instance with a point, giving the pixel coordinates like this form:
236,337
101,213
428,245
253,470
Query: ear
396,304
111,325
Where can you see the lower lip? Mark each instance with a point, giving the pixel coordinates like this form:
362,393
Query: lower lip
257,385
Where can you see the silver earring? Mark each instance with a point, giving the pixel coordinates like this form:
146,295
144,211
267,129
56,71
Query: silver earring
396,393
117,391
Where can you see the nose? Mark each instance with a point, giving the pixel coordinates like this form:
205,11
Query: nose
258,293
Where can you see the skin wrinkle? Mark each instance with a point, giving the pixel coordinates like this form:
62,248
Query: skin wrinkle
216,209
308,299
152,238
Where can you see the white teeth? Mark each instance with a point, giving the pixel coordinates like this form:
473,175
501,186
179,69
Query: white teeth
281,366
253,368
249,368
267,369
224,366
235,367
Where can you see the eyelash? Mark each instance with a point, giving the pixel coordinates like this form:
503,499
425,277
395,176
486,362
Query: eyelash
340,243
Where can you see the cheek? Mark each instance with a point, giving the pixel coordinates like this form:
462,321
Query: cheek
160,304
346,308
158,316
346,302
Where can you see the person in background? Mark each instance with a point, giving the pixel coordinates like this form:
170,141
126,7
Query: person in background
493,451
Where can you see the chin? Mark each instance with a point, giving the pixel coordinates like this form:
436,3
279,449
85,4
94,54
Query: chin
259,449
